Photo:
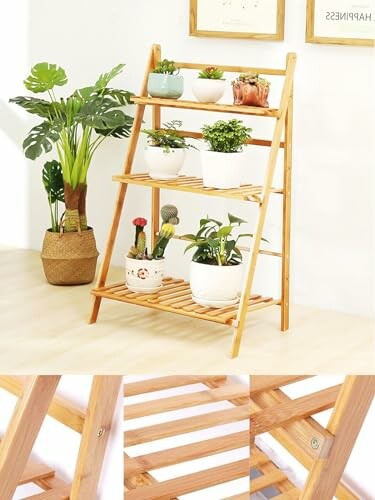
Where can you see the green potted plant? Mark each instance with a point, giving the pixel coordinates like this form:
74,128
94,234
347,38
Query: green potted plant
144,270
165,151
223,164
216,269
165,81
249,89
210,85
76,126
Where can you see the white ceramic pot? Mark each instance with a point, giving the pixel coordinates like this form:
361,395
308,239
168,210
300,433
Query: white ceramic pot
164,164
223,170
144,275
207,90
215,286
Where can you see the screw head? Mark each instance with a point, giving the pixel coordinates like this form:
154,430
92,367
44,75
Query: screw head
100,433
315,443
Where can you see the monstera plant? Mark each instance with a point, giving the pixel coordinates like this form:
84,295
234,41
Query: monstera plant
76,126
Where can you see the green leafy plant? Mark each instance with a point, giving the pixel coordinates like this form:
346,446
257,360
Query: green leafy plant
226,136
215,245
169,214
76,125
167,137
166,67
211,73
54,185
253,79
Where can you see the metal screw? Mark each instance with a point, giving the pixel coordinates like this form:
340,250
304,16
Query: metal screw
315,443
100,433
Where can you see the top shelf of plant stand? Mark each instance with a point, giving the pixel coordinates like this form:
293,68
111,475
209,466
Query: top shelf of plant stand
223,108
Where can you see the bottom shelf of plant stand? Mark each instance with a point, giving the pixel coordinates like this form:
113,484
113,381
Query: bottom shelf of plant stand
268,479
175,297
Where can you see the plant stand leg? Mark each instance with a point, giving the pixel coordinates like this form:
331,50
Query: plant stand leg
286,217
236,339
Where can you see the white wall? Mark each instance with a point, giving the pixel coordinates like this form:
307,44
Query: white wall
57,445
332,240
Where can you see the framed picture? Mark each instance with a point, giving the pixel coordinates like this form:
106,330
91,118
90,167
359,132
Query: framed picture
259,19
347,22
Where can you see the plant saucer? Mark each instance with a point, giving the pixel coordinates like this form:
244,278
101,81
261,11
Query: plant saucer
215,303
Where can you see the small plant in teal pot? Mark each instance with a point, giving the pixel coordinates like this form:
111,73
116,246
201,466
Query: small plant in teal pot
165,81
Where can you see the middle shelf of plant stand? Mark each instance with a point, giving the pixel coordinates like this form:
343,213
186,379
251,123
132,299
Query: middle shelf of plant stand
175,297
248,192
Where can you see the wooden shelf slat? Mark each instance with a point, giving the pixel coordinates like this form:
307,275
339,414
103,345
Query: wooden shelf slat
293,494
194,185
226,392
168,382
55,494
267,480
180,304
173,456
191,482
221,108
185,425
260,383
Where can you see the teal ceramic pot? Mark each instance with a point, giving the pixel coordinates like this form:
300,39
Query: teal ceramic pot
168,86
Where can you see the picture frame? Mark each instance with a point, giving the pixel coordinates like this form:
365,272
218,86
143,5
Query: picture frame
344,22
249,19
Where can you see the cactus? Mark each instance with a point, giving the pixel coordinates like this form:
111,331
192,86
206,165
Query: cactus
141,244
166,233
169,214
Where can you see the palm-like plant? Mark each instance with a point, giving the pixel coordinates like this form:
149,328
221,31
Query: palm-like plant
77,125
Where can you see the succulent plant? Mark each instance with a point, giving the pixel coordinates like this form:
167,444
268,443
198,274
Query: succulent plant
211,73
166,67
166,233
253,79
169,213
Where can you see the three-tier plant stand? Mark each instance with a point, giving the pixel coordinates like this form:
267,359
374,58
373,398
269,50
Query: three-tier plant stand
175,294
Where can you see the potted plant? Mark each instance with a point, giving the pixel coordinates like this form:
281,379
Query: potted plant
144,271
210,85
165,81
224,163
76,125
216,269
165,152
251,90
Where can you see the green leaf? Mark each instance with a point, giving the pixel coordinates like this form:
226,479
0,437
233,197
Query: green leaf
235,220
99,113
53,180
122,96
105,78
213,243
224,231
45,76
35,106
85,93
191,237
118,132
206,221
41,138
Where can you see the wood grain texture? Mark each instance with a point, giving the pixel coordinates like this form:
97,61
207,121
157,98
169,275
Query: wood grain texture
260,383
168,382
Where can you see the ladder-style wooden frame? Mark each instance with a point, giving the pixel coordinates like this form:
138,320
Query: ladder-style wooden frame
322,451
139,482
175,295
36,400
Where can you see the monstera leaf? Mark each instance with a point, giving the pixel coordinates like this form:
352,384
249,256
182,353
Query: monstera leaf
105,78
35,106
41,138
53,180
45,76
118,132
122,96
99,113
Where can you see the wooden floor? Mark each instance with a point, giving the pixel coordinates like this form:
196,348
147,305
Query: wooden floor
43,329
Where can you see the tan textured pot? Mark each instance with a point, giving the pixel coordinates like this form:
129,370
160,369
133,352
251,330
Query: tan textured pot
69,258
245,94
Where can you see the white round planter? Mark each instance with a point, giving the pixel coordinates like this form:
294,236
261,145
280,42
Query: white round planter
222,170
215,286
144,275
164,164
207,90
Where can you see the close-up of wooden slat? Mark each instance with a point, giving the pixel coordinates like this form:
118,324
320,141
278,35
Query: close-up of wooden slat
37,399
322,451
140,484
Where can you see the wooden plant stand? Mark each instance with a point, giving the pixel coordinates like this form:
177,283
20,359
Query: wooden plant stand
36,400
322,451
139,482
175,295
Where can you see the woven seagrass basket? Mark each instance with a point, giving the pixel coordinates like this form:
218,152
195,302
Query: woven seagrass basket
69,258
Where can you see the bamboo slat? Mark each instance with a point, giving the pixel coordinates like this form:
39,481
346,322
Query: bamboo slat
175,296
139,482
